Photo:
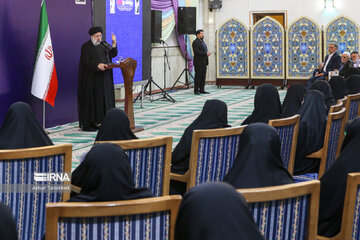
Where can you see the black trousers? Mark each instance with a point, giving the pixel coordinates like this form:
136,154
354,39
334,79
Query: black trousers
200,75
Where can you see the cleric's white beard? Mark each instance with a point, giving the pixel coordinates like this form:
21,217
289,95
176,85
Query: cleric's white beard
96,43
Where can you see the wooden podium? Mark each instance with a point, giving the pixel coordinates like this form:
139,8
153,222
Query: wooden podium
128,66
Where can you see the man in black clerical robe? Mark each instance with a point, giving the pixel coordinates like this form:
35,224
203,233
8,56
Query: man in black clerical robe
95,83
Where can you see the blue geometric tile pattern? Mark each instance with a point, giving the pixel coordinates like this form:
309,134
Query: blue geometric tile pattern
267,51
233,53
344,32
303,48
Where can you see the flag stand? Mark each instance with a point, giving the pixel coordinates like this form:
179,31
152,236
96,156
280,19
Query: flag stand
43,121
43,115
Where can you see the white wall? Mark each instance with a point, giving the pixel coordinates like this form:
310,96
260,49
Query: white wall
311,8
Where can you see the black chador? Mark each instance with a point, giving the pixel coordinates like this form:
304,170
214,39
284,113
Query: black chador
115,126
213,115
105,175
95,87
213,211
21,129
333,182
293,100
258,163
267,105
311,132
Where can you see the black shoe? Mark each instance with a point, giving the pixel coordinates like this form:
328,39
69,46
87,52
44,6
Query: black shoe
89,129
205,92
196,93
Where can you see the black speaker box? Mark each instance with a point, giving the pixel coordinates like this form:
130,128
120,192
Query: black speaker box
186,20
156,22
215,4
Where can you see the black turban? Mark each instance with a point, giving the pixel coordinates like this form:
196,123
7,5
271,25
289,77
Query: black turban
94,30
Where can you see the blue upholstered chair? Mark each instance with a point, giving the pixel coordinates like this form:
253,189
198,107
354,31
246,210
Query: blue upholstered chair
332,144
285,212
17,168
287,129
148,218
212,155
352,105
337,107
350,225
150,161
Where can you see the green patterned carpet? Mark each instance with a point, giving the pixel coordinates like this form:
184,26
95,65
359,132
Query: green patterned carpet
163,118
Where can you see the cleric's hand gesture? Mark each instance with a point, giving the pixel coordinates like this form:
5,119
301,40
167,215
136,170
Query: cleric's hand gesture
113,38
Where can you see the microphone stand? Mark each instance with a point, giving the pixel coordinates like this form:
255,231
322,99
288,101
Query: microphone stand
167,61
185,71
164,94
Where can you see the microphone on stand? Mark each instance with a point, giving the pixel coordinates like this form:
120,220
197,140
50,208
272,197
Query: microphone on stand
106,44
163,42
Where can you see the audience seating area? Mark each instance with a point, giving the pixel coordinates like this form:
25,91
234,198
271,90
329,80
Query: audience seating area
281,212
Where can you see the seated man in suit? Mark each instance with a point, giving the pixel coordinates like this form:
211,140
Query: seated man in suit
332,62
345,63
355,59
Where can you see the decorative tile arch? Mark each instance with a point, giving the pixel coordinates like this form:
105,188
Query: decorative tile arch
233,50
303,48
267,51
343,31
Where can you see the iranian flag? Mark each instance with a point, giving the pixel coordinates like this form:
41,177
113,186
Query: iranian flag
44,83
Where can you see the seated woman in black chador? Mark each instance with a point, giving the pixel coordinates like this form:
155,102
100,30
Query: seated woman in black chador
213,115
258,163
333,182
312,126
115,126
7,224
267,105
353,84
213,211
293,100
106,176
338,87
324,87
21,129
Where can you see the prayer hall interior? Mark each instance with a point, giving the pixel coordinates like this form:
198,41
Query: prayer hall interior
179,119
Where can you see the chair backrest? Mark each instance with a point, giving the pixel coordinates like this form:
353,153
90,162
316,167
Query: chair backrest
343,100
148,218
288,129
335,108
17,168
285,212
352,105
212,154
150,161
350,225
333,140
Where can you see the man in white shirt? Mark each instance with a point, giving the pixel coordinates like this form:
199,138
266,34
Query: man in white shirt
332,62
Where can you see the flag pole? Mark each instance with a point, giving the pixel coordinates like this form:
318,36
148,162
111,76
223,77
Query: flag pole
43,115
